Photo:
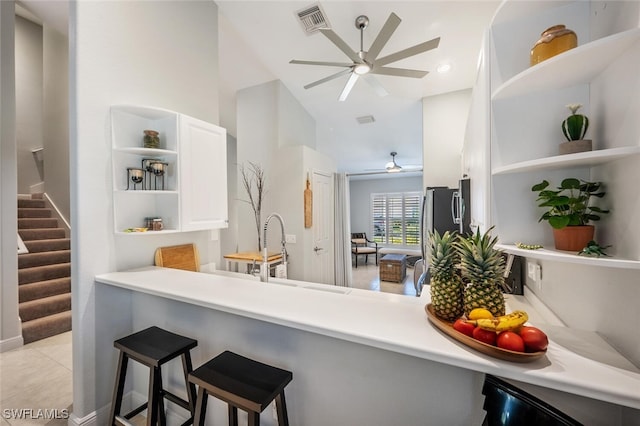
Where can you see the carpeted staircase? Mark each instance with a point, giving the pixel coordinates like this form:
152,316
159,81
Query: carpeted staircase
44,274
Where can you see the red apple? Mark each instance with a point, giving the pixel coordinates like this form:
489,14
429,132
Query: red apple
511,341
534,339
464,327
485,336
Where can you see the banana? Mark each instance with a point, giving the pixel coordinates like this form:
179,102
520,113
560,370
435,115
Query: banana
507,322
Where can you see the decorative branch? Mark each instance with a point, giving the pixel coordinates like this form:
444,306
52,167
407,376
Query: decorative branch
253,180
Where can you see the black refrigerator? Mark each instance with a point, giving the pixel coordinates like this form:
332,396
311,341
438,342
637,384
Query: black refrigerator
443,209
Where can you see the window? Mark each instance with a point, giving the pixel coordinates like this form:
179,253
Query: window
396,218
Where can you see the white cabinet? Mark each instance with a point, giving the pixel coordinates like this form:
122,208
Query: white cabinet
191,194
527,105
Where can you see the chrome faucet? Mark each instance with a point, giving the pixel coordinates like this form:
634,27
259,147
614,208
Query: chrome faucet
264,270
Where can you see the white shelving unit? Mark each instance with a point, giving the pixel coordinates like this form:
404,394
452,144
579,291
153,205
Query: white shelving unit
527,107
195,154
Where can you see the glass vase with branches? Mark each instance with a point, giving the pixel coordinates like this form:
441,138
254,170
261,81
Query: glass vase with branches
253,180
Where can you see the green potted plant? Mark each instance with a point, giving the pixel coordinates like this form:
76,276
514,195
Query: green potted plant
574,129
569,211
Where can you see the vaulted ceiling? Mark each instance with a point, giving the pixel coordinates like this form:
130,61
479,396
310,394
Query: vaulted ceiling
259,38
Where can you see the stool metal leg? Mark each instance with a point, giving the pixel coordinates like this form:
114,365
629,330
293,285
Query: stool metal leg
254,418
281,409
162,418
118,388
233,415
187,367
201,407
152,404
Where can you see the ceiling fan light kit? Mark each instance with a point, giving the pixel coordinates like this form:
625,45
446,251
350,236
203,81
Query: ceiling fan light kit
364,63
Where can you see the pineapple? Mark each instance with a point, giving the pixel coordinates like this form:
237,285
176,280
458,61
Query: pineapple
483,268
446,284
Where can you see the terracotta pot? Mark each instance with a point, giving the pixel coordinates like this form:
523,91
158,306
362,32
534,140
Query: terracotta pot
573,238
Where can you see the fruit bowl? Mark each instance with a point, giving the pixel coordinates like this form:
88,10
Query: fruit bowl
494,351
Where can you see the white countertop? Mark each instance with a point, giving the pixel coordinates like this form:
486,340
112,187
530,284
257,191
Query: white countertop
577,362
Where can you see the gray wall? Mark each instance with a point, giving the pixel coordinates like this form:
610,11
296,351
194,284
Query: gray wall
361,190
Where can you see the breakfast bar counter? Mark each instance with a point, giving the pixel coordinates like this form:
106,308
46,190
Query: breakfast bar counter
376,324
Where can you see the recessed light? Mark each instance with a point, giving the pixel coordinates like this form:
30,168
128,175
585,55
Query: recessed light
444,68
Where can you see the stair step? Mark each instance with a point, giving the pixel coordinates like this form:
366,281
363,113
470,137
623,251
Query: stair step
38,289
29,260
30,203
54,244
43,273
46,326
41,234
33,212
37,223
45,306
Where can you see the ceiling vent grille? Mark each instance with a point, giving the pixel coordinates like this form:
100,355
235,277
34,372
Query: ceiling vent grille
366,119
312,18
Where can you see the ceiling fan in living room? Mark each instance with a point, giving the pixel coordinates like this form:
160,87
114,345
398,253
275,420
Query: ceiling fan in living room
366,63
393,167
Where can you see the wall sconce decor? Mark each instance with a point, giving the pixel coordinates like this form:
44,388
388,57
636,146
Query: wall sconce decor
136,176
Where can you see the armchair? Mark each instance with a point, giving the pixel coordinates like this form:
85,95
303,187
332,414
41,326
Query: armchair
362,246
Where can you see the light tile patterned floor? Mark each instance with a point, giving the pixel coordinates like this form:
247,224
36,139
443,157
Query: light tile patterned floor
36,383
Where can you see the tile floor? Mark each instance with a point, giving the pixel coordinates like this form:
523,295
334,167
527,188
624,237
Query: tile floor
36,380
36,383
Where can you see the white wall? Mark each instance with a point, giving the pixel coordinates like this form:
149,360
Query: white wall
443,126
277,133
29,103
160,54
10,330
360,193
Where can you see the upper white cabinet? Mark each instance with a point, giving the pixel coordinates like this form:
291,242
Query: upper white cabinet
528,103
184,179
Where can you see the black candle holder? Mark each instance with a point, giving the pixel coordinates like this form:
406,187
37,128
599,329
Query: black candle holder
155,171
135,176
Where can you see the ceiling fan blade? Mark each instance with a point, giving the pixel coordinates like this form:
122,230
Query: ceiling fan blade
335,39
331,77
347,87
328,64
383,36
379,89
399,72
411,51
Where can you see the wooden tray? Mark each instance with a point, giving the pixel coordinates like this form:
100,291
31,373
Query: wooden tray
493,351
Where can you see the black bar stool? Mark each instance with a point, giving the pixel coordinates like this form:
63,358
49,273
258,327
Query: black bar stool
241,383
153,347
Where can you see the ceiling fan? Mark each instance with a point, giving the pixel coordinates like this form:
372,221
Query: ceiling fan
366,63
393,167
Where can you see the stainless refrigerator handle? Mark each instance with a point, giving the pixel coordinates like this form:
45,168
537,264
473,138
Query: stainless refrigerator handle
456,215
422,230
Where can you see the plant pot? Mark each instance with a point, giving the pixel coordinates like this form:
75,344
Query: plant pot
573,238
571,147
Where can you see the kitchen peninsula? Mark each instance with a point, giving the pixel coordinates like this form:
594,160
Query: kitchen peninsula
354,353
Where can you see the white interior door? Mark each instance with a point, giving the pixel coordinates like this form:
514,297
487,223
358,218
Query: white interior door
322,265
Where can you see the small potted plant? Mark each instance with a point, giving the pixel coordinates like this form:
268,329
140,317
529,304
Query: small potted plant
569,211
574,129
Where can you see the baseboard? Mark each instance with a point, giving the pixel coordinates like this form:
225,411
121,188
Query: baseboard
12,343
130,400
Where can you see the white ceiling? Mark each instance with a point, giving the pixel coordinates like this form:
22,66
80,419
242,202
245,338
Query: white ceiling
259,38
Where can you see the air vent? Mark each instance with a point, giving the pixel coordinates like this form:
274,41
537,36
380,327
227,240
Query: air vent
365,119
312,18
